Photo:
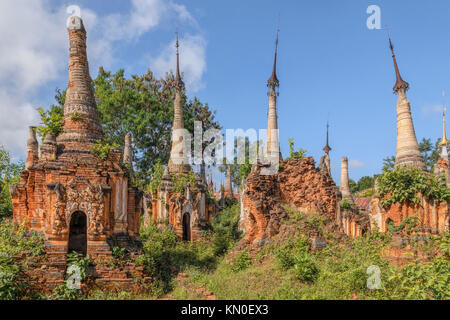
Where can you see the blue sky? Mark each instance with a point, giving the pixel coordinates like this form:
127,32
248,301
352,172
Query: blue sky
330,66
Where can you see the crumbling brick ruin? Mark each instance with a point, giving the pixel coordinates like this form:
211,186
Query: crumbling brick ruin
298,183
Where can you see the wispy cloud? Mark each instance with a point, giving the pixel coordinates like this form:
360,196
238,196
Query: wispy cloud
33,52
432,109
192,60
356,164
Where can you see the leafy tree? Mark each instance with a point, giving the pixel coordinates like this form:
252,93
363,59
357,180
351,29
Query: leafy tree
430,152
388,163
353,186
365,183
9,175
141,105
52,119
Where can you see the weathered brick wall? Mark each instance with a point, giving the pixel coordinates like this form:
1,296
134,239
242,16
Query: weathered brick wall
433,215
298,183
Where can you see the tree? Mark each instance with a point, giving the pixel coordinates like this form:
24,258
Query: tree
430,152
52,119
9,175
142,106
365,183
388,163
353,186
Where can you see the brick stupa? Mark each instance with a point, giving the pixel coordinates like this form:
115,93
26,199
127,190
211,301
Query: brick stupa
77,200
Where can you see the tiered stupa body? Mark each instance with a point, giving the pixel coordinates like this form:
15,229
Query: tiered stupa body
272,142
408,153
190,212
77,200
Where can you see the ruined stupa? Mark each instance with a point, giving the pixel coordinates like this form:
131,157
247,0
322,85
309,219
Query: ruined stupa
344,186
78,201
188,213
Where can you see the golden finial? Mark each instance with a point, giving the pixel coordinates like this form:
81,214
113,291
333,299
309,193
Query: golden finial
444,141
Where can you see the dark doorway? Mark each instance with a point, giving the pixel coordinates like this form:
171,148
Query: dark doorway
186,227
78,234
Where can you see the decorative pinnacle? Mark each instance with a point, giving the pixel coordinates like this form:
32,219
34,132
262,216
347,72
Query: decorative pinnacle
444,142
327,148
179,83
400,83
273,80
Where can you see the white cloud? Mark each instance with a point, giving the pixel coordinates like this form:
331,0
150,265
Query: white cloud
16,116
431,109
192,60
356,164
33,52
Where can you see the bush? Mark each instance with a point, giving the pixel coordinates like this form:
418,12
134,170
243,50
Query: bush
180,182
15,240
225,229
304,268
241,262
405,183
295,155
103,148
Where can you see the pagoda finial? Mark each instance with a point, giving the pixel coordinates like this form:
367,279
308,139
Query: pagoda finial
179,82
273,80
444,142
400,83
327,148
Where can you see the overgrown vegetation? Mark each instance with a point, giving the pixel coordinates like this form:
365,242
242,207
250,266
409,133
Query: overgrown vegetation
295,155
9,175
404,184
288,269
14,241
77,273
181,181
103,148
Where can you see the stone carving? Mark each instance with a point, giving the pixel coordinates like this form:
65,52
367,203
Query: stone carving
59,224
91,202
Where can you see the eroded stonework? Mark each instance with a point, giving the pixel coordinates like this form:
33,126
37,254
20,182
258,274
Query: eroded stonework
298,183
78,201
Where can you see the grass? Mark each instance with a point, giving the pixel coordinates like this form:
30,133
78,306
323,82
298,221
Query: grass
284,269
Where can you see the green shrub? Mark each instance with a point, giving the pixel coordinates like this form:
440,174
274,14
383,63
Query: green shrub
295,155
304,267
103,148
181,181
51,121
15,240
405,183
241,262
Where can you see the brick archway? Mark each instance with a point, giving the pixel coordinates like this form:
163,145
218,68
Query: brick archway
78,233
186,226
